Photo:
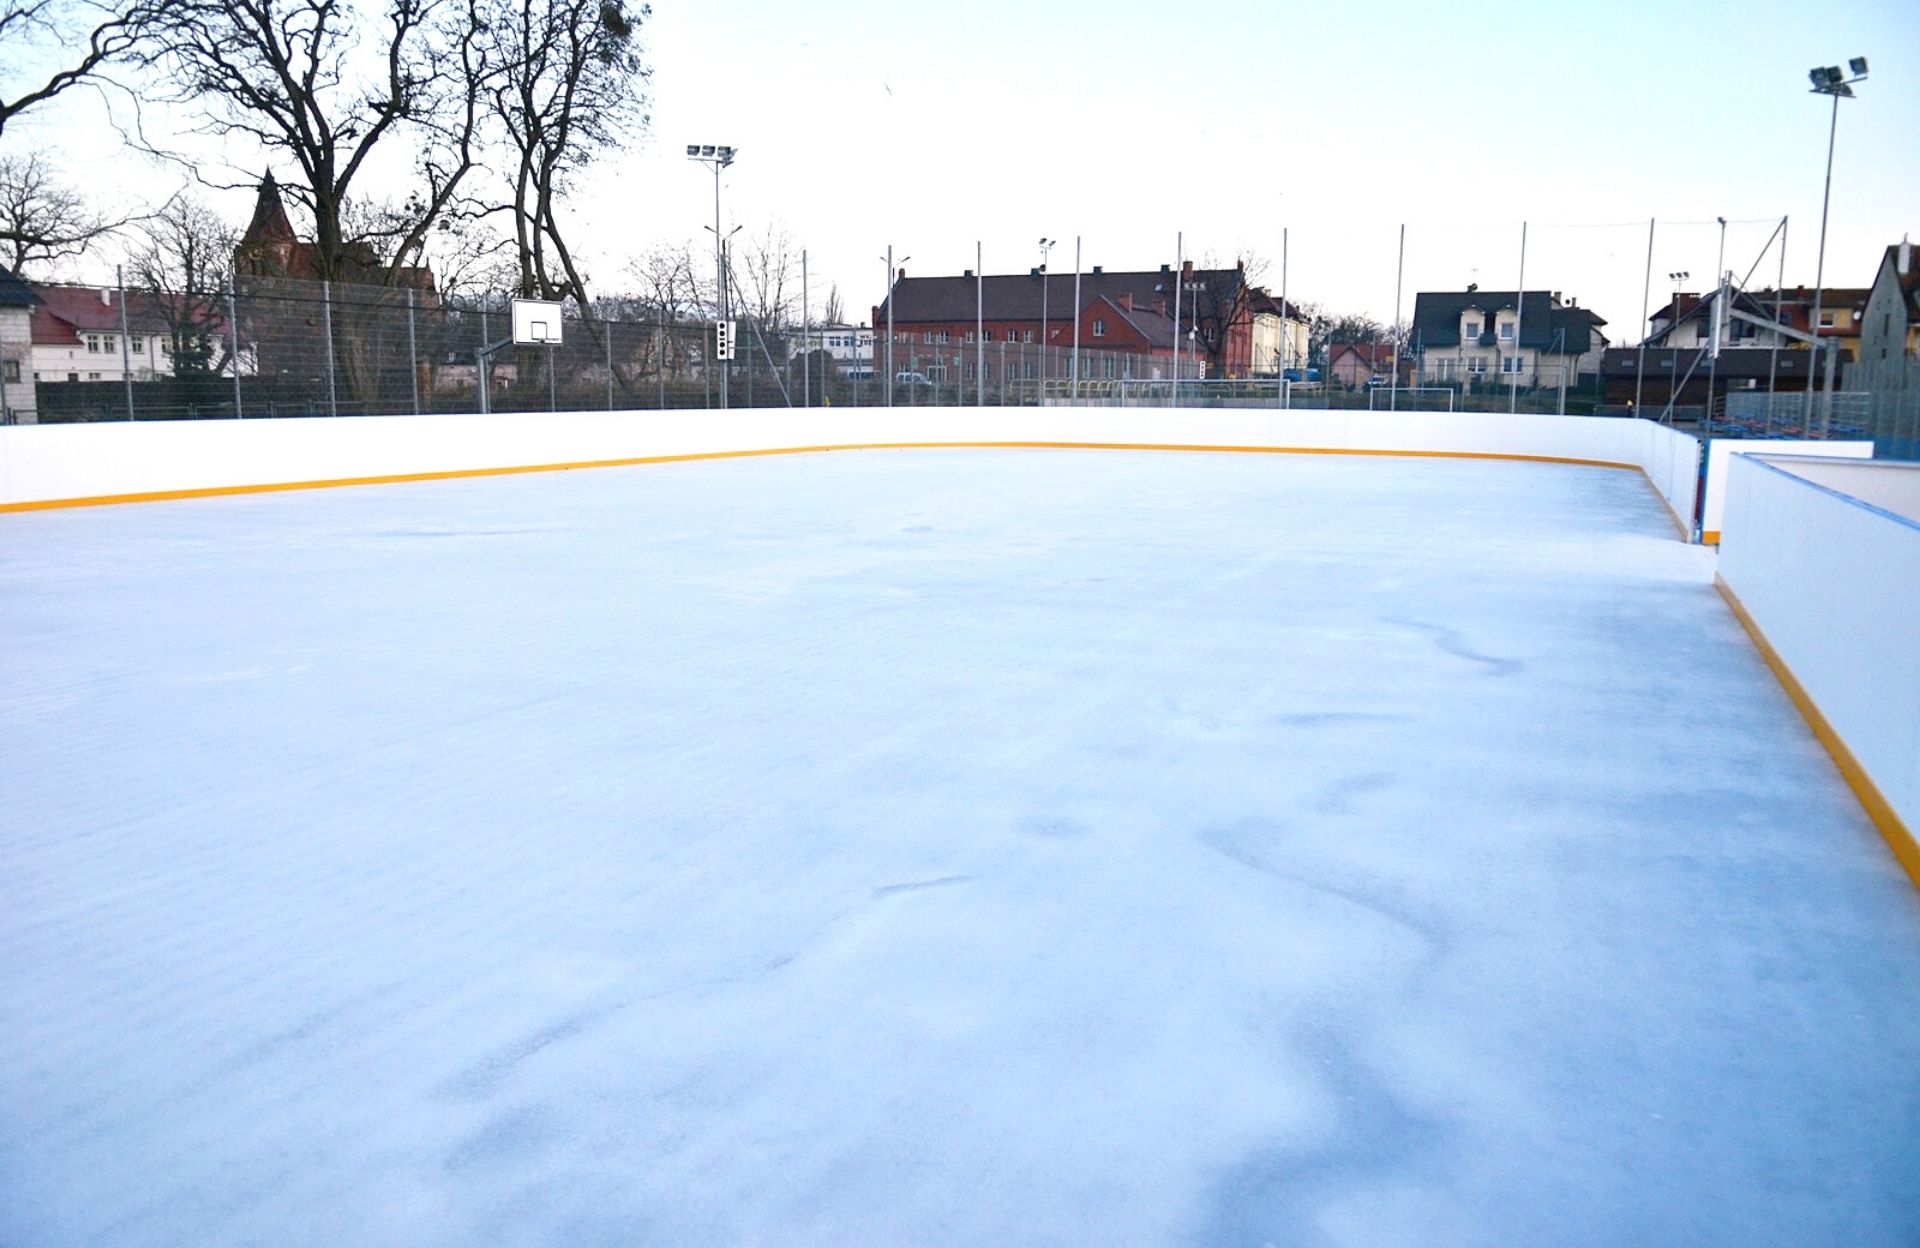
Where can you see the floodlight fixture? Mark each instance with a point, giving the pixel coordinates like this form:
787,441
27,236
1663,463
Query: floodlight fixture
1858,66
693,149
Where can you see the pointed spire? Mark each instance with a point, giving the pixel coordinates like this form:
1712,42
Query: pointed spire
270,223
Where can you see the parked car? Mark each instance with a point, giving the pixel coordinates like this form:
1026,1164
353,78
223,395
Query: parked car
911,379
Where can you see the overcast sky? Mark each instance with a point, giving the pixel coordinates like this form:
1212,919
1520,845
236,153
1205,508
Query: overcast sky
1124,122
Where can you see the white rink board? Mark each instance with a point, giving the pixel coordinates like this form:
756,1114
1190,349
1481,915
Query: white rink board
91,461
1834,584
1720,450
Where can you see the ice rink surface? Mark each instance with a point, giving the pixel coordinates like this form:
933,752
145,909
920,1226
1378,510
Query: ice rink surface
931,847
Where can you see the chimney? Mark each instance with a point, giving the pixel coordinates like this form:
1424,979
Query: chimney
902,276
1186,269
1097,270
1160,307
1904,264
1034,271
106,296
966,273
1126,300
1166,268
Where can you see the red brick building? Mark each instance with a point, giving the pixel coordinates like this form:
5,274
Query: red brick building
1128,313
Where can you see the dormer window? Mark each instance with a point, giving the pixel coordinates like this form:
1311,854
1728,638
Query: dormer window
1470,329
1099,328
1506,331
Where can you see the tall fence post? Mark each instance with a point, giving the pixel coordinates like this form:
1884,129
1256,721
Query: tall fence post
413,351
233,350
607,328
333,393
126,351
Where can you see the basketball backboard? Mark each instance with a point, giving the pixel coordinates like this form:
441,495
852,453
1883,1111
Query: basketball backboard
536,321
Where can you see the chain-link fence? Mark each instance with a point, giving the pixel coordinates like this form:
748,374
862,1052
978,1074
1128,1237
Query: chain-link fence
280,347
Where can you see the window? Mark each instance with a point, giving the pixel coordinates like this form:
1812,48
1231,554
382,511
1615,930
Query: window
1513,364
73,376
99,344
1506,331
969,337
1476,364
1099,328
986,335
1028,338
139,344
93,376
945,336
1826,320
927,337
1470,329
12,372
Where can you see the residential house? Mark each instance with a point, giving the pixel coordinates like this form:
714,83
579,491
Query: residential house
1122,312
1890,325
1365,364
1474,337
1280,335
81,333
1686,322
18,403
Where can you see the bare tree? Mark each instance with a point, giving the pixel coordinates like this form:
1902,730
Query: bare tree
324,85
767,277
182,261
668,283
568,90
1218,304
43,221
88,36
834,313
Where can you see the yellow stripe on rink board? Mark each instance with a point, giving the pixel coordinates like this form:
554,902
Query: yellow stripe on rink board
1899,837
219,491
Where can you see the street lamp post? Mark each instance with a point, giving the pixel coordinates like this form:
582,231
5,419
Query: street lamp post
1828,80
719,156
1673,352
1046,246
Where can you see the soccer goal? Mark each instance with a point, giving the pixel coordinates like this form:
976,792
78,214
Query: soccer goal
1410,399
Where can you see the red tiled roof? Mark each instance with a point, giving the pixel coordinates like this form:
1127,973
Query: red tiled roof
66,312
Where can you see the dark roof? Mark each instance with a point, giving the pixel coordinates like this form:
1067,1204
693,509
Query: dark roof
1157,328
1735,362
1017,297
1543,320
66,312
269,224
15,293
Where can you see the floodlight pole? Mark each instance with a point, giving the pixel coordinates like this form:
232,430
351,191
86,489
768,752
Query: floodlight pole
1286,332
1827,82
1646,301
1400,268
1519,323
1046,247
719,156
1179,263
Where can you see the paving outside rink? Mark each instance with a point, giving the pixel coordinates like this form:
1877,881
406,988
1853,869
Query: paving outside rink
935,847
